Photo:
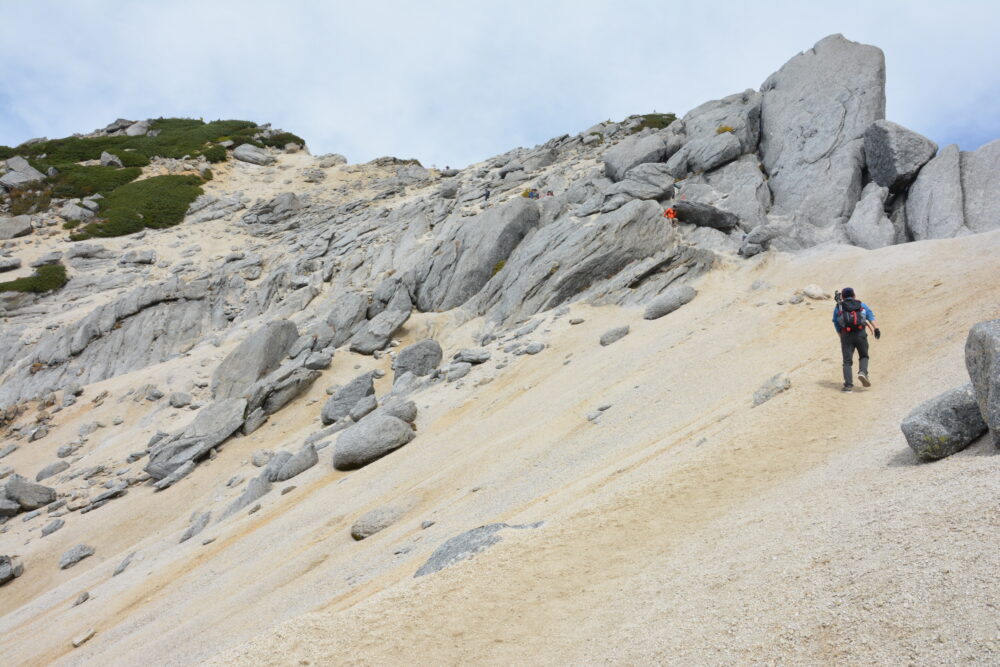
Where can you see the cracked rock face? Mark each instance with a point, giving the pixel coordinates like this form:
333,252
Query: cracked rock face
814,114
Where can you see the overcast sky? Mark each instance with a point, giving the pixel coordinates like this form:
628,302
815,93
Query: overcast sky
454,82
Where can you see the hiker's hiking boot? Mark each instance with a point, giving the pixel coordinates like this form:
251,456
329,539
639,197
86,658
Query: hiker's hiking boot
864,379
847,388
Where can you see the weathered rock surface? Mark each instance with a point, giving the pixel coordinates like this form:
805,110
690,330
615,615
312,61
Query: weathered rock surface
815,157
210,428
669,301
10,569
369,440
895,154
982,359
375,520
339,405
420,358
253,155
51,469
259,354
945,424
706,215
28,495
75,555
12,228
613,335
464,546
296,464
470,252
869,227
771,388
980,185
635,150
935,203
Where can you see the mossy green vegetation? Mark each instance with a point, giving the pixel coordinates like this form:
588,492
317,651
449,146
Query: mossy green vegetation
45,279
657,121
215,153
175,138
29,200
6,152
280,139
78,181
154,203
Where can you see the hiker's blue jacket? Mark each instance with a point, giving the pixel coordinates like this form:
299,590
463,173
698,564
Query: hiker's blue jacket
836,315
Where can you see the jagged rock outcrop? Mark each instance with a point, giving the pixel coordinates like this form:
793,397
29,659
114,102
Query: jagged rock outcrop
564,259
814,114
209,429
470,252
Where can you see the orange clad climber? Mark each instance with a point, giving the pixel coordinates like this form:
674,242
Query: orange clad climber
671,215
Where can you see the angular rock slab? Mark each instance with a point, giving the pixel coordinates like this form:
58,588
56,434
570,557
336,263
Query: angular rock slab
895,154
369,440
75,555
465,546
982,359
259,354
210,428
945,424
470,252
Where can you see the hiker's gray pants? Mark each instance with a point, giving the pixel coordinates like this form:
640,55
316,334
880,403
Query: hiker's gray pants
849,342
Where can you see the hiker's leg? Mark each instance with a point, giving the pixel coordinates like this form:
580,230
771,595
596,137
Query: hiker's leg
847,351
862,344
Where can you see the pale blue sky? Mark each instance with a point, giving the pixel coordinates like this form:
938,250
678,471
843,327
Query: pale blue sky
452,82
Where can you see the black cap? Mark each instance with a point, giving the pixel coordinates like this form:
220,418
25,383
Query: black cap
847,292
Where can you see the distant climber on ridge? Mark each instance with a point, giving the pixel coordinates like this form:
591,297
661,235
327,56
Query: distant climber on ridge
851,317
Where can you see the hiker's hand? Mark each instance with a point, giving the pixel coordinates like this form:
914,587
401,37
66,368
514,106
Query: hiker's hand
878,334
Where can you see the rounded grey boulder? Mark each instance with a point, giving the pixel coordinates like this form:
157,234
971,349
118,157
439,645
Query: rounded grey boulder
420,358
669,301
369,440
374,521
28,495
945,424
613,335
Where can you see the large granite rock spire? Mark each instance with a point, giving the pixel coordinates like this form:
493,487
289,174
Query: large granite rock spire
815,111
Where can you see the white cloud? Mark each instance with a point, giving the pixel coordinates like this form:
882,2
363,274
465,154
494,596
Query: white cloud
454,82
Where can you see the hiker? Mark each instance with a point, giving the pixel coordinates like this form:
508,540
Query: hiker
671,215
851,317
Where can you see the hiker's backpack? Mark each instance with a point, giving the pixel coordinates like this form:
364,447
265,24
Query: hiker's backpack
852,316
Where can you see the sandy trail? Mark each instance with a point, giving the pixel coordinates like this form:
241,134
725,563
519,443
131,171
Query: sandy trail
687,526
